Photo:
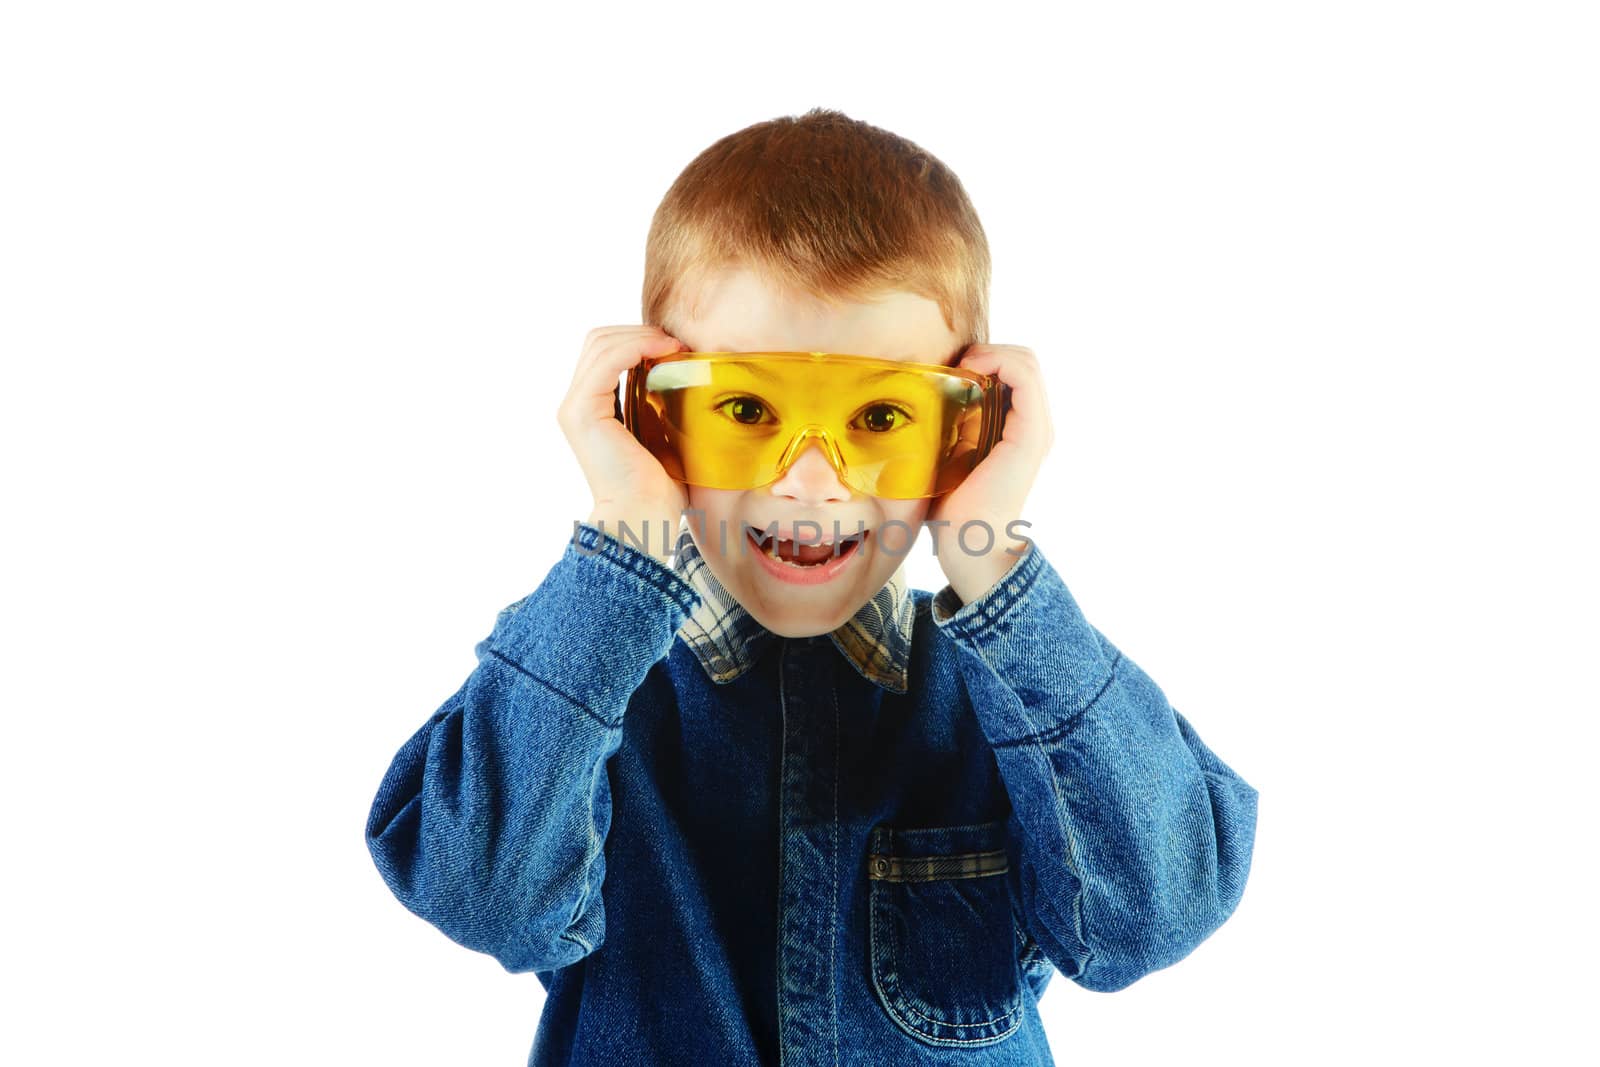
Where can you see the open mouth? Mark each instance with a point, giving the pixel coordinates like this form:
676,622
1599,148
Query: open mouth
805,555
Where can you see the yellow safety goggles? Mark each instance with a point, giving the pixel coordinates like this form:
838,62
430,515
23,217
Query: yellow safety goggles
738,420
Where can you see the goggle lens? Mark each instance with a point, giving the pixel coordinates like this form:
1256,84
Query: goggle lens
738,420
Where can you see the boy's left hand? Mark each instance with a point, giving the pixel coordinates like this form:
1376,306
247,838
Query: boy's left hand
994,493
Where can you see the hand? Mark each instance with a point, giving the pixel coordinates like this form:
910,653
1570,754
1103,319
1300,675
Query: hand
996,490
628,483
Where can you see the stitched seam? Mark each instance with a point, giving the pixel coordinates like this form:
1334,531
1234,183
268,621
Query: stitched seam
894,1004
1060,730
1061,821
1011,590
1070,860
833,938
783,745
568,697
651,570
962,1026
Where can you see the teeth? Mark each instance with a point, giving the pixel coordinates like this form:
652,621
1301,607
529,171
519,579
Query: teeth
770,545
824,542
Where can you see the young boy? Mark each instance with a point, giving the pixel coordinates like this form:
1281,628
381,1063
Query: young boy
736,807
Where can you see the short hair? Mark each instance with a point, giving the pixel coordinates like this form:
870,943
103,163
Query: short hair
826,205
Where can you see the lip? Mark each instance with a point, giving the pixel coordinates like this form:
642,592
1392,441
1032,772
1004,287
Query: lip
819,574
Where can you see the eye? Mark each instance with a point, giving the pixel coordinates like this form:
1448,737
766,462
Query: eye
881,418
745,410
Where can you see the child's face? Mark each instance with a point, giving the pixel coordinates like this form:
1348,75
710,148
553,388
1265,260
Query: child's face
738,311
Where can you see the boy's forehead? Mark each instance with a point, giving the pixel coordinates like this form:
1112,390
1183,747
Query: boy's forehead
737,310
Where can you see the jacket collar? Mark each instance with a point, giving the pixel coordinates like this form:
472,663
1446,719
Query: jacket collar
728,640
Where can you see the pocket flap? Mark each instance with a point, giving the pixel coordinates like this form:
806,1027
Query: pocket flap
936,853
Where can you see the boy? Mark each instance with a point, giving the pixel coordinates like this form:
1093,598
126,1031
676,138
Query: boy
734,806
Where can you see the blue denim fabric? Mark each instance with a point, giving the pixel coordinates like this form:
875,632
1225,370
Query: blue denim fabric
801,866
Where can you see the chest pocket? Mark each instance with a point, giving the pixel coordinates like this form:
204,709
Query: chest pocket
943,945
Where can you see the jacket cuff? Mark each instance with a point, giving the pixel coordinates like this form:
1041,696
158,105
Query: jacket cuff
1029,632
604,614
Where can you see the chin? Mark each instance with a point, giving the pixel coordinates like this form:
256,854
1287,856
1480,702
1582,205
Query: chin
809,626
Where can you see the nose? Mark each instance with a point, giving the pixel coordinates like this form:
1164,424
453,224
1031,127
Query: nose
811,479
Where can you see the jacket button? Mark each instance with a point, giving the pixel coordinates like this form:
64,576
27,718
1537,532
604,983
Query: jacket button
880,865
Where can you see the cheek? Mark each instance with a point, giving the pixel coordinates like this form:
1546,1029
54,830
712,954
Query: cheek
908,516
910,512
714,502
720,512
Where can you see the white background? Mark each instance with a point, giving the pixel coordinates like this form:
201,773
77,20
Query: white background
290,292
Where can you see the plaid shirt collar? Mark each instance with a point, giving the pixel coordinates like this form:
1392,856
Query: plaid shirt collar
727,639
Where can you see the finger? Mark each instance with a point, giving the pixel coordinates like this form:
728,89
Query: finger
1028,422
601,340
595,381
602,334
623,352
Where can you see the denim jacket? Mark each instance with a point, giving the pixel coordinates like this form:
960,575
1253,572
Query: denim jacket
718,846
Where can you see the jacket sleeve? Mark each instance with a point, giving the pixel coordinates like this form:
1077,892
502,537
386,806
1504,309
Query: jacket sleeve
491,820
1131,840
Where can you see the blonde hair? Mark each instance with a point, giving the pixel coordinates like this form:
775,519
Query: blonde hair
825,205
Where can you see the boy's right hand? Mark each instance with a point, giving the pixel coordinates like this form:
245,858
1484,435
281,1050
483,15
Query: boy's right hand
628,483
